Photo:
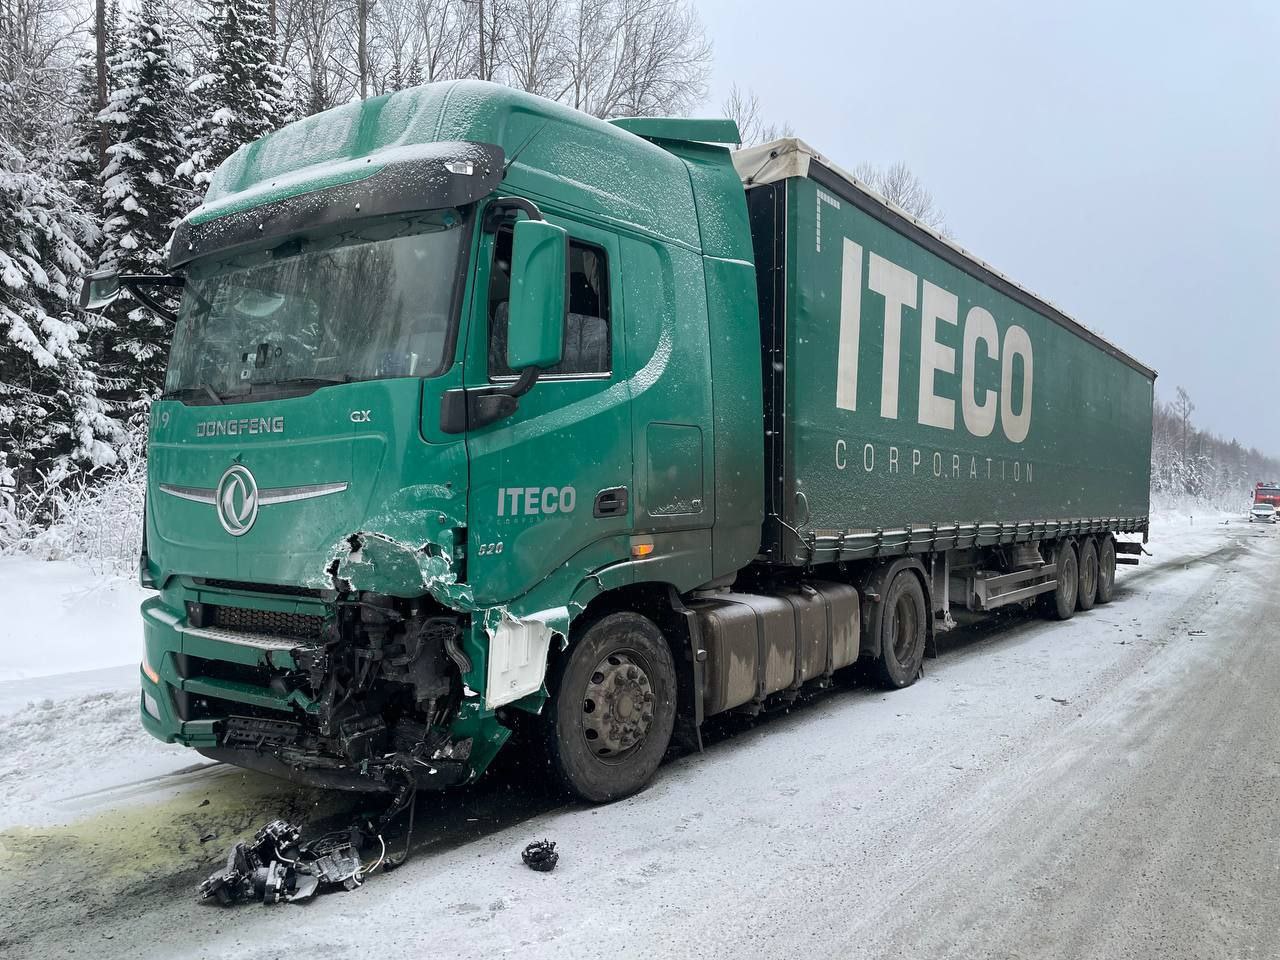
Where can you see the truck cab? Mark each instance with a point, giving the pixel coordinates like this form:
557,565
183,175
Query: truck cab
458,375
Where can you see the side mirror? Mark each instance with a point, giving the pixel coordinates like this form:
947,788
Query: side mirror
99,290
535,325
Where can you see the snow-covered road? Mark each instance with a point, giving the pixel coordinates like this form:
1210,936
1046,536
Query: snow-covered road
1104,788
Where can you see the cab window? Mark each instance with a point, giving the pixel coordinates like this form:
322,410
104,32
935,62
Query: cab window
587,329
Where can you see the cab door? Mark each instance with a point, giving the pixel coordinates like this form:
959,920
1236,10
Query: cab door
550,485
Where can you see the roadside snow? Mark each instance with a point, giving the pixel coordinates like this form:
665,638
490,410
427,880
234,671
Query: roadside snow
70,641
52,753
60,617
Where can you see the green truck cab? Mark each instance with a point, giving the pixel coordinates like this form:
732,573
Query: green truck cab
485,415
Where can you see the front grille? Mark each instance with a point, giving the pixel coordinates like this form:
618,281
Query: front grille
253,675
241,586
296,626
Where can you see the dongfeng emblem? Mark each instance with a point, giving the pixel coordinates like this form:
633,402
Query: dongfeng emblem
237,497
237,500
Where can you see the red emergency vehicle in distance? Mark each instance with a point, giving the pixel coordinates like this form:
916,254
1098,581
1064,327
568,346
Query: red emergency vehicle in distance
1267,493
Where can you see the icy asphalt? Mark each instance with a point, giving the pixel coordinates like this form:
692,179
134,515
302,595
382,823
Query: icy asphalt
1101,788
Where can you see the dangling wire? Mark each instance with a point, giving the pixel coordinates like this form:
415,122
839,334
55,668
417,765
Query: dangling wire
393,863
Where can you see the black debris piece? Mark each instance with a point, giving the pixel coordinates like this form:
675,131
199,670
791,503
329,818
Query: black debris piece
541,856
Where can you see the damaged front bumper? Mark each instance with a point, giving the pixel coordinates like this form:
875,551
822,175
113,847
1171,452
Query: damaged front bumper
356,691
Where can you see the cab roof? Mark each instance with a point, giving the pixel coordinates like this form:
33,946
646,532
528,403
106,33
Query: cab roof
553,153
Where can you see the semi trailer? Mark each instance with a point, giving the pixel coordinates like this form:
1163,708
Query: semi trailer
483,415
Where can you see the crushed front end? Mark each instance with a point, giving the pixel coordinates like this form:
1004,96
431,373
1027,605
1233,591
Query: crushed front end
356,691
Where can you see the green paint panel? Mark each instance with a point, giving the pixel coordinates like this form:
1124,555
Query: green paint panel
862,443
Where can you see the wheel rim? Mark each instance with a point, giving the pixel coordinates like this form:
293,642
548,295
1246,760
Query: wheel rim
1090,575
1106,572
617,706
1069,582
903,627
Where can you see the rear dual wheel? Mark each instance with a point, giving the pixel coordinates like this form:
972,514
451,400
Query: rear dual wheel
902,625
1106,569
1061,604
1087,592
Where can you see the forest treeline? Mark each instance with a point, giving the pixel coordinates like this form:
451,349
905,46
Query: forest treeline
114,115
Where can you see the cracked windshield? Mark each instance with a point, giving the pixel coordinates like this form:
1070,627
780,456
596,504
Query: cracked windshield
358,304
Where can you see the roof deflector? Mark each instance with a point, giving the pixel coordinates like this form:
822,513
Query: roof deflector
681,128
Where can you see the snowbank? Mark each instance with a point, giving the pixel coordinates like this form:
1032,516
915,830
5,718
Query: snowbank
1186,511
60,617
70,642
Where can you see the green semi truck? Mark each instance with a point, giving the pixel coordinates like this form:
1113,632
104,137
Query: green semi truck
483,415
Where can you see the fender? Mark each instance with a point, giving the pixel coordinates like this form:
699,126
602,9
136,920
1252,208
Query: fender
872,588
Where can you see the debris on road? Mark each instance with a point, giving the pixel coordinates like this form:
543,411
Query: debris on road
276,866
541,856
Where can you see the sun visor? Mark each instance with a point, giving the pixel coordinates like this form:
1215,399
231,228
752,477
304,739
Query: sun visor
432,176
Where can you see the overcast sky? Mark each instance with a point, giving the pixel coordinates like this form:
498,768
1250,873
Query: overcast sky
1120,159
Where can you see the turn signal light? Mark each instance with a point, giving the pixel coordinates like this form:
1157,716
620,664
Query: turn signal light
149,670
641,548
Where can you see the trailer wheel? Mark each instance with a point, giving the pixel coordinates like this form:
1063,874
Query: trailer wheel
902,626
612,708
1062,602
1087,592
1106,569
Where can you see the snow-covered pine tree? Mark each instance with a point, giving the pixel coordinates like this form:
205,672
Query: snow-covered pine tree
83,166
241,91
141,197
51,416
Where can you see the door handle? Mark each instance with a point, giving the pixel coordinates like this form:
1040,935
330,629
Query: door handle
611,502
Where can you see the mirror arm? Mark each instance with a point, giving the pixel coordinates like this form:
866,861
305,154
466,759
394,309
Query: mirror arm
498,211
136,284
528,377
502,207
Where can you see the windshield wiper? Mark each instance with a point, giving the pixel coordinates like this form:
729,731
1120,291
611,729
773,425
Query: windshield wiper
213,394
201,387
307,381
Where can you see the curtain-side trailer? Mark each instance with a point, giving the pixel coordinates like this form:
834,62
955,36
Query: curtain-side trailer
921,404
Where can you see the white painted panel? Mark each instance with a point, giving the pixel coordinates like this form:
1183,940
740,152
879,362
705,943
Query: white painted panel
518,656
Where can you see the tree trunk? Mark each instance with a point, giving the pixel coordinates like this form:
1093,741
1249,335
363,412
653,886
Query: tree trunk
100,56
362,46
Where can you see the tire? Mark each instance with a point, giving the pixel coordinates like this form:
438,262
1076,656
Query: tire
1062,602
902,627
616,666
1087,591
1106,569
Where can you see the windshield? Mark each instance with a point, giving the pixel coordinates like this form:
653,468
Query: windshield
354,305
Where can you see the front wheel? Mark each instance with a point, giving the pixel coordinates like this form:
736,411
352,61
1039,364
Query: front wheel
612,708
